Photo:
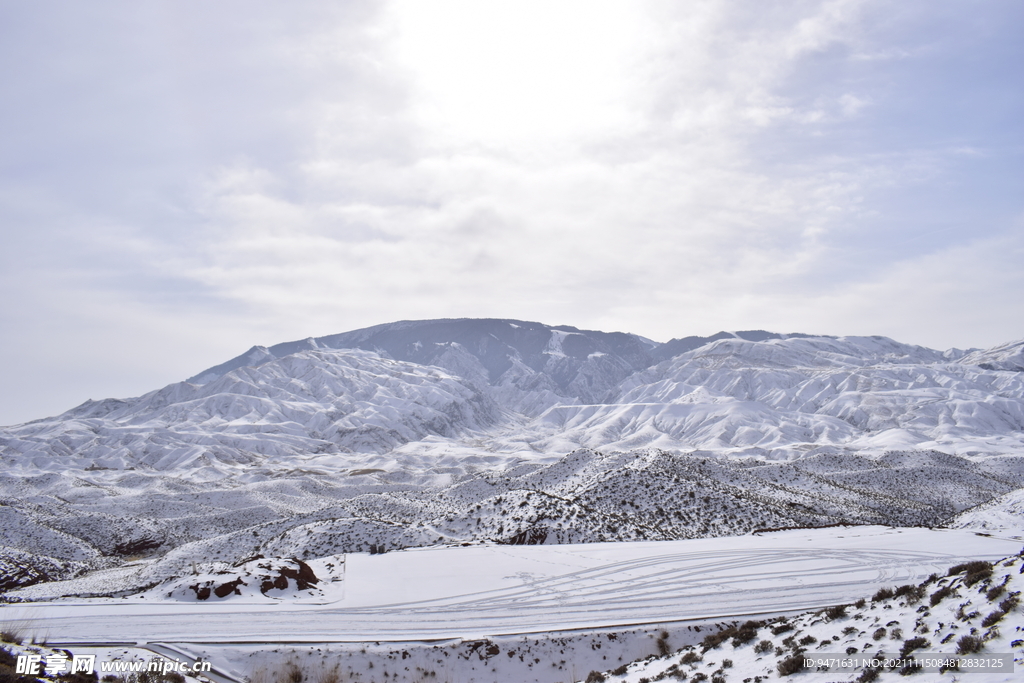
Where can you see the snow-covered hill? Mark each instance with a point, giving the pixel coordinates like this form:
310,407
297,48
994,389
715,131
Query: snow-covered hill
971,614
783,397
449,431
311,401
521,389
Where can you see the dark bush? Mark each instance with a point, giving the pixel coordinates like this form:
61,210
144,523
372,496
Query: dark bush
764,646
595,677
995,591
882,594
868,675
940,595
992,618
9,633
912,593
970,567
878,634
835,612
860,603
689,658
790,665
909,669
781,628
620,671
745,633
912,644
663,647
808,640
968,645
1010,602
713,640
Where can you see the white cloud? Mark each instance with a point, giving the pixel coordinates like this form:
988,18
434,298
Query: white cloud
654,167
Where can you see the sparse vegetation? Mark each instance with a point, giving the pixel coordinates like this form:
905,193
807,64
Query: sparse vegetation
969,645
912,644
790,665
940,595
973,572
868,675
835,612
992,618
882,594
662,643
912,593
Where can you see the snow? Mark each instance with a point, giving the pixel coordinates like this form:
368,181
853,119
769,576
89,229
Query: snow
501,590
282,461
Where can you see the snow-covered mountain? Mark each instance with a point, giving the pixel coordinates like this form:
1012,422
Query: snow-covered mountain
452,431
521,389
311,401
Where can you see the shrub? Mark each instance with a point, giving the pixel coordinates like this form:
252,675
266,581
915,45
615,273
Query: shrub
995,591
764,646
868,675
663,647
879,634
992,618
11,634
911,668
970,568
620,671
973,571
835,612
713,640
912,593
968,645
689,658
745,633
896,633
790,665
740,635
807,640
726,663
882,594
860,603
940,595
595,677
912,644
781,628
1010,602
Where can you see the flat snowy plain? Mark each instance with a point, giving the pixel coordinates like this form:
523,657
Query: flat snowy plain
440,593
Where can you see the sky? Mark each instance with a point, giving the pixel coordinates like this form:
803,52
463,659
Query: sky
182,180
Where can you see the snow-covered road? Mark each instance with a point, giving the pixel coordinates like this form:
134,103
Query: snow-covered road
494,590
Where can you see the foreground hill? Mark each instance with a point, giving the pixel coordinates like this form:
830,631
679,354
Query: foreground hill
584,497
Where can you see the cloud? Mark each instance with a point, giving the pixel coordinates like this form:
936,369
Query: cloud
234,174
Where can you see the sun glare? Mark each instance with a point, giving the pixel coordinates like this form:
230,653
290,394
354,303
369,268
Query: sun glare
497,73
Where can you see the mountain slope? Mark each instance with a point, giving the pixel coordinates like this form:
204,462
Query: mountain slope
322,401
